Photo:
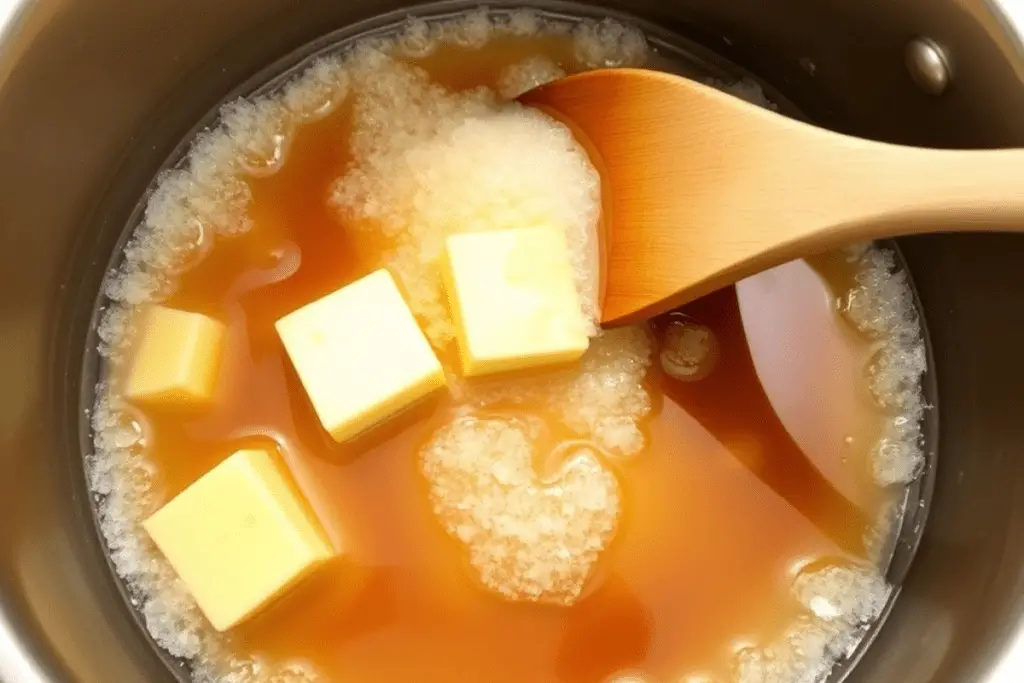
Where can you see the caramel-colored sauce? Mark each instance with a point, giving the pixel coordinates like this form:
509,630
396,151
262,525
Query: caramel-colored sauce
720,511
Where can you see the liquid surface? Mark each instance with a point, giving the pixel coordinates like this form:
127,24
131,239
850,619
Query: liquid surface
722,511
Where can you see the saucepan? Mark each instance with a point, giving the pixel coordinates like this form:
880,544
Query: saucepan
95,95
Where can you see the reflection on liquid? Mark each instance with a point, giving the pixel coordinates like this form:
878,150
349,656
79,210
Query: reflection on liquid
811,364
607,633
733,406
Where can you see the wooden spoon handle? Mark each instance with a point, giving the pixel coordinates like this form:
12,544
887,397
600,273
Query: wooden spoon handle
702,190
853,191
891,190
861,190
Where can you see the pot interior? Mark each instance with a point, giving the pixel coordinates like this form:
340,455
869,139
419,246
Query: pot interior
975,439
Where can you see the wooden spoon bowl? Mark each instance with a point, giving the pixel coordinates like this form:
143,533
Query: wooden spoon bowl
703,189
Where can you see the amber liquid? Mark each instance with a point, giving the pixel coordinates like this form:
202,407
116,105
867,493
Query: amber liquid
720,511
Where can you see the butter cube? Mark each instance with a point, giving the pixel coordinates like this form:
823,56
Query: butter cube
360,355
176,357
514,300
239,537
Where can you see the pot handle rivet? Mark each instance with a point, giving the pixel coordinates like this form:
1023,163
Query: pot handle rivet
928,65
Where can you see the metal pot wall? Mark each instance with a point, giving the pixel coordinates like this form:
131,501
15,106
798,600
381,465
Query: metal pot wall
95,94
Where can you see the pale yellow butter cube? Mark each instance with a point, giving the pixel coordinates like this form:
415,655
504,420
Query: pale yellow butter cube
514,300
239,537
360,355
176,357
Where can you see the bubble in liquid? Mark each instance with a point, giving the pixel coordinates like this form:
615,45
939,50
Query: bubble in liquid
851,594
129,436
688,350
260,131
526,75
894,374
745,89
607,43
858,309
896,461
318,91
416,39
630,678
855,252
750,666
255,669
698,678
472,30
526,22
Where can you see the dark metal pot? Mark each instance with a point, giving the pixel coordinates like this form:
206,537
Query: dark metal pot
95,94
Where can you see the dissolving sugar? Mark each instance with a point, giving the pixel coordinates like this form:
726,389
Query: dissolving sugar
642,514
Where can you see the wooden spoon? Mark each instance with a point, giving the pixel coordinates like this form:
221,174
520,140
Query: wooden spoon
703,189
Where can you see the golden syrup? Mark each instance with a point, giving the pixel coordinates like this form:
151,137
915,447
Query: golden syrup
720,511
